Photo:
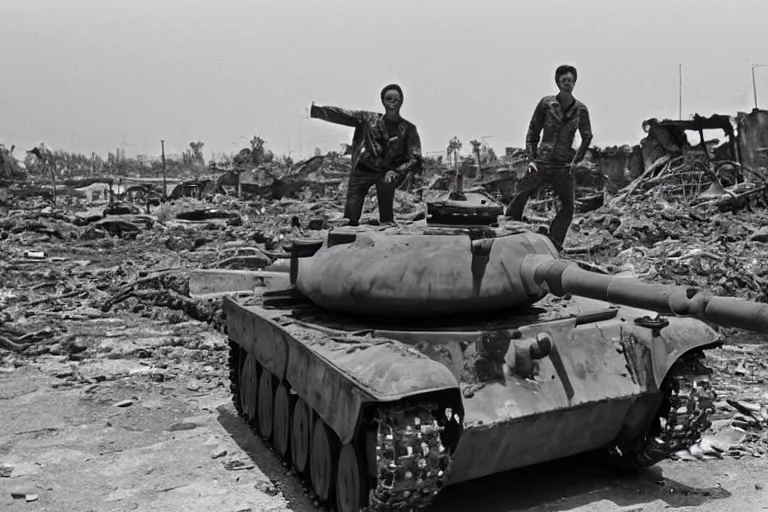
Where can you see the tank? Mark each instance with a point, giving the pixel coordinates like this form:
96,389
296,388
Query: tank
391,363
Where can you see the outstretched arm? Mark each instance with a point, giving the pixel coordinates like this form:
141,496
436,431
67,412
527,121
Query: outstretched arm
338,115
534,131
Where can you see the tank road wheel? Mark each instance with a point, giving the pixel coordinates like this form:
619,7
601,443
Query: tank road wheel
350,481
266,401
300,436
281,428
249,388
323,460
680,421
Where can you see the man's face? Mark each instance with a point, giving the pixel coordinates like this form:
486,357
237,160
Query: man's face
392,101
566,82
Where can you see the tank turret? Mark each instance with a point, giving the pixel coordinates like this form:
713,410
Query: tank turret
434,272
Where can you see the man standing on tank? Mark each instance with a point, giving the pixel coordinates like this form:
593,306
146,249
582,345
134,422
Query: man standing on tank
385,148
550,156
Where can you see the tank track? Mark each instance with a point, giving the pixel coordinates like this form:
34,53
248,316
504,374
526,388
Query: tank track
412,463
683,417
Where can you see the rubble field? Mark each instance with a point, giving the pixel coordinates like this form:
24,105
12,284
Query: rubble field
95,308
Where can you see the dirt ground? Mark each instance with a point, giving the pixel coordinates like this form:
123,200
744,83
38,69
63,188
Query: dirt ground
133,441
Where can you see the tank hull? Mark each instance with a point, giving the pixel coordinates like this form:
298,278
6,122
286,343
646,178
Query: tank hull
598,383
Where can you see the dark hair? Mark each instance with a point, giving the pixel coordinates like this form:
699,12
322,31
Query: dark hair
391,87
564,70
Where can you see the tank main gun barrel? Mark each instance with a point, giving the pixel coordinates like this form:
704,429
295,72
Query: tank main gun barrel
565,277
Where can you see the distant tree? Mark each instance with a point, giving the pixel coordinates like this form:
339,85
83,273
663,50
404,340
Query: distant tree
259,153
197,151
243,158
454,146
47,162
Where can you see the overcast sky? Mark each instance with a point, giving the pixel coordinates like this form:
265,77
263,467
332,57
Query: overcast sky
93,75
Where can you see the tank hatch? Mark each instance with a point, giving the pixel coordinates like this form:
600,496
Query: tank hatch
458,207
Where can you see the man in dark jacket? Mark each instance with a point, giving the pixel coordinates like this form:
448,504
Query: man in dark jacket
385,148
550,155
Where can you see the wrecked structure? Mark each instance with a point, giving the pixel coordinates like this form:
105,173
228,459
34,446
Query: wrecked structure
753,138
317,175
745,147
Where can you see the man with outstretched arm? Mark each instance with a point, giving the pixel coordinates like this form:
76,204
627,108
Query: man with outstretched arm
385,148
550,156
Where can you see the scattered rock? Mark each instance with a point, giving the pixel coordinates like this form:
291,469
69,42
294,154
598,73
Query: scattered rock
744,407
266,488
218,453
182,426
761,235
124,403
236,465
24,494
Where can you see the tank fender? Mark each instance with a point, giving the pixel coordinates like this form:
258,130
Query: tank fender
383,372
326,392
667,345
650,358
248,330
390,371
684,335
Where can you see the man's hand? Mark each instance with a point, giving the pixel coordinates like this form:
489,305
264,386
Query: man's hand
572,166
532,168
390,177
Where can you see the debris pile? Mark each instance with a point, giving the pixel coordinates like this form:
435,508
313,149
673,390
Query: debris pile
740,420
677,223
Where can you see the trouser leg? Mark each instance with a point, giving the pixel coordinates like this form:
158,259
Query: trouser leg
563,185
524,188
357,188
385,193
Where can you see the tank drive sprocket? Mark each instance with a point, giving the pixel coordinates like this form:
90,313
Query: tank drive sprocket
411,460
682,418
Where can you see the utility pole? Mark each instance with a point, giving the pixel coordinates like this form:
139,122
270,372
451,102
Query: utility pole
304,115
680,91
754,84
165,190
